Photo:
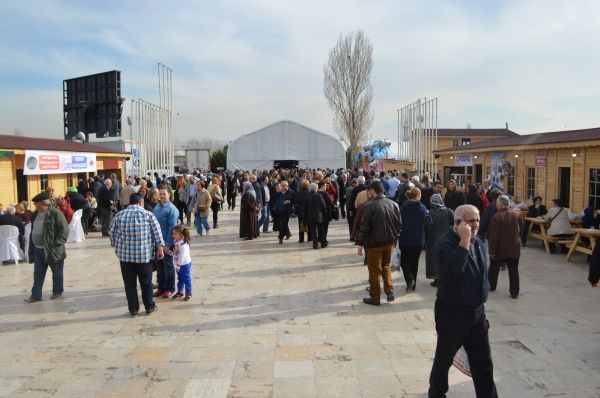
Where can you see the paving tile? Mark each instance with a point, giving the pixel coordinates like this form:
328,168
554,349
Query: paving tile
270,320
294,369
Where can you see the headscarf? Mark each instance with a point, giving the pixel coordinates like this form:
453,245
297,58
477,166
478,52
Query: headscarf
249,188
436,201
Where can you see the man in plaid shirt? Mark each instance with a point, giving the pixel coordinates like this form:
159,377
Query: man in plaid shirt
136,236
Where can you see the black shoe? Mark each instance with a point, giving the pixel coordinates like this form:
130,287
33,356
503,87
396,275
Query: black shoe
300,240
434,283
176,296
32,300
390,298
315,247
215,226
288,236
133,313
410,287
187,298
280,241
151,310
514,295
56,296
368,300
325,245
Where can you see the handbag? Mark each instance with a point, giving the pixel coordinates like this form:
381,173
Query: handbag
395,259
303,227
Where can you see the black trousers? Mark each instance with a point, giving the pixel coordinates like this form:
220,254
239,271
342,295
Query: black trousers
131,272
275,217
325,230
457,326
343,207
231,199
284,228
182,208
215,207
409,262
315,231
104,219
513,274
85,219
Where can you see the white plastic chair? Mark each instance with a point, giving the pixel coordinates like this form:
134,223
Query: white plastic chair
26,236
9,243
76,233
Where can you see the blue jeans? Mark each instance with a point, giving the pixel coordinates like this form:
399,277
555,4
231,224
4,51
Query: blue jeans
165,274
40,266
184,279
264,218
201,221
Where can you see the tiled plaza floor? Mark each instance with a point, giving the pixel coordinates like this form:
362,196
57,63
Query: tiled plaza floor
270,320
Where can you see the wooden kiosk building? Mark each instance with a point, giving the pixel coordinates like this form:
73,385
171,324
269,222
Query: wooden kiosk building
29,165
559,164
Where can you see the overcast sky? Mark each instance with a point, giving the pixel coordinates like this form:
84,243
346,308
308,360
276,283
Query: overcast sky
241,65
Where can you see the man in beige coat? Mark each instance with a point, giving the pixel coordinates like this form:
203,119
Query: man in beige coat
505,244
202,208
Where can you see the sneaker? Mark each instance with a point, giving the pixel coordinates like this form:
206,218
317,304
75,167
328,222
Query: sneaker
368,300
56,296
177,295
187,298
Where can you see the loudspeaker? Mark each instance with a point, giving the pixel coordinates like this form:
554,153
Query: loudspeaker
93,104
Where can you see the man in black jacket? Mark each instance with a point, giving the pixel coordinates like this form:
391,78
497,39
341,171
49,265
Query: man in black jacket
105,203
351,208
459,310
379,229
284,206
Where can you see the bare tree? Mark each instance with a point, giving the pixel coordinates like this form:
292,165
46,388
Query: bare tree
347,87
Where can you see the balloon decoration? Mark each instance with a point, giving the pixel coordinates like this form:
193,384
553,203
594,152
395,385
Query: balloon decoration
372,153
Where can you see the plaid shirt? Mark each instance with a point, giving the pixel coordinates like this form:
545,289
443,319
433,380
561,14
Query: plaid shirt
135,234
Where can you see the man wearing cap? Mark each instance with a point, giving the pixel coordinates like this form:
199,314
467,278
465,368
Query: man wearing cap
49,233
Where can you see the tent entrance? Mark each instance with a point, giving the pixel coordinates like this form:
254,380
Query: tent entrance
285,164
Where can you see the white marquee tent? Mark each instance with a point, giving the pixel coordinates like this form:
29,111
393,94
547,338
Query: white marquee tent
285,141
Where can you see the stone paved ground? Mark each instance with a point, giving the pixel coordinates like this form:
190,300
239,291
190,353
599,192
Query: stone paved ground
284,321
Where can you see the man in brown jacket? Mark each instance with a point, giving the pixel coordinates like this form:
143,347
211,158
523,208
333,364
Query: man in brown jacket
505,244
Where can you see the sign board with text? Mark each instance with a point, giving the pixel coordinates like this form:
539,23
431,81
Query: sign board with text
463,159
55,162
540,161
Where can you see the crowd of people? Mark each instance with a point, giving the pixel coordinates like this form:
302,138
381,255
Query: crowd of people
469,234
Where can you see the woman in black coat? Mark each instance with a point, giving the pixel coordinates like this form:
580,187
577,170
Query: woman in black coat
441,219
299,201
473,198
323,191
315,213
248,213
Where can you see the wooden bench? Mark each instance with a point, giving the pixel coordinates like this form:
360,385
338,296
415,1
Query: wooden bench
542,235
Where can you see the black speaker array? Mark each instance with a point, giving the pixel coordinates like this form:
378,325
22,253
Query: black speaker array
93,105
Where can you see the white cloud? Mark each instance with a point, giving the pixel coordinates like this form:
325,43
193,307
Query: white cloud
241,65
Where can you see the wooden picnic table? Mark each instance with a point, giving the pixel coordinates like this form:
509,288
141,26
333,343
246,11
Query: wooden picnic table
577,245
543,235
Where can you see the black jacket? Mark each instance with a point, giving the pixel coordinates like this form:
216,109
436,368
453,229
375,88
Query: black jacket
461,281
105,197
357,189
328,205
594,275
77,201
299,201
455,198
380,224
315,210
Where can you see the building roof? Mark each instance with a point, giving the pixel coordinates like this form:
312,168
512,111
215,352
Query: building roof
553,137
48,144
476,133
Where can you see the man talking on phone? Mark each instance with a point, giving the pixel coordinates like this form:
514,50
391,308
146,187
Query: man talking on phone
136,236
459,308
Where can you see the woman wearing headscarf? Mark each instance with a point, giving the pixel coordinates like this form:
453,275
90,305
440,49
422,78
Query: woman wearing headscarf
248,213
442,218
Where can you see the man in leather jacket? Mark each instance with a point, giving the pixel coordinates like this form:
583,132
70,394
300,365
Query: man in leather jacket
379,230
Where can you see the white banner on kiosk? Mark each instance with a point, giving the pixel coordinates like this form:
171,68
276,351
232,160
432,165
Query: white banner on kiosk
55,162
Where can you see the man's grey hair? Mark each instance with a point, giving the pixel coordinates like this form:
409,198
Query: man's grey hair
10,210
460,211
361,179
503,200
108,182
313,187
